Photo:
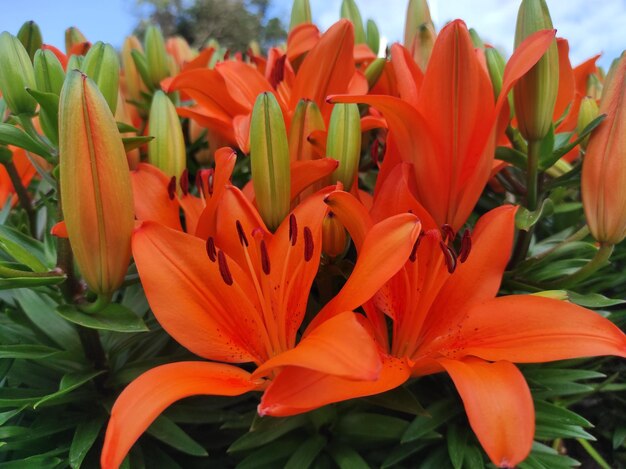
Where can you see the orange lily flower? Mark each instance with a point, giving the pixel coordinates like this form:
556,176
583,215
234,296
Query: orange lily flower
446,317
259,288
446,121
25,170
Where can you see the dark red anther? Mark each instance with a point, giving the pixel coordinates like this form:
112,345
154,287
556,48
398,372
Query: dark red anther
184,182
278,71
375,152
210,179
447,233
210,249
413,256
449,256
242,235
293,229
224,270
308,244
199,184
265,258
466,246
171,188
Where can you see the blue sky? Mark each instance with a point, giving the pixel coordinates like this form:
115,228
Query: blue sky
592,26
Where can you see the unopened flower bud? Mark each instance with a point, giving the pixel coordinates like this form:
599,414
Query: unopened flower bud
306,119
495,66
588,111
49,74
344,142
103,67
167,150
156,56
73,37
373,36
423,44
132,78
374,71
30,37
535,93
95,185
269,160
333,236
417,14
350,11
16,74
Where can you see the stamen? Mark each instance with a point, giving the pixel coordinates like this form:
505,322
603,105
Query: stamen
224,270
199,184
447,233
242,235
413,256
210,249
374,151
308,244
184,182
210,179
278,72
171,188
466,246
293,229
449,256
265,258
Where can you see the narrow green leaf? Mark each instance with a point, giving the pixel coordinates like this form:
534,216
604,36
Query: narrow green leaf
457,445
438,413
510,155
400,399
23,248
268,432
30,282
619,436
68,383
130,143
25,351
404,451
563,150
49,104
365,426
84,437
525,219
546,412
347,458
166,431
126,128
593,300
304,456
114,317
272,455
11,135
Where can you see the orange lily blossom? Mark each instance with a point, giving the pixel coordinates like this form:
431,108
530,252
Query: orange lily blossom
446,121
446,317
244,294
25,170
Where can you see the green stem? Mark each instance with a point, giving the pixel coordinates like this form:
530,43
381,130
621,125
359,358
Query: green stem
591,451
516,139
577,236
597,262
22,195
101,302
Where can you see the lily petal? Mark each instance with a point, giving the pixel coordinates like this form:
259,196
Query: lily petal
150,394
308,172
152,201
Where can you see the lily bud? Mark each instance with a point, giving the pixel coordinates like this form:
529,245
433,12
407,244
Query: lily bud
495,66
333,236
167,150
75,62
132,78
535,93
350,11
417,14
300,13
73,36
373,36
269,160
179,50
588,111
344,142
604,165
30,36
156,55
306,119
476,39
16,74
95,185
423,43
49,74
103,67
374,70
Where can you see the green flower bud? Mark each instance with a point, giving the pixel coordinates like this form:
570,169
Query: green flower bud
374,71
75,62
269,160
156,55
373,36
134,83
167,150
495,66
30,36
306,120
417,14
423,44
49,74
535,93
476,39
350,11
588,111
16,74
344,142
300,13
103,67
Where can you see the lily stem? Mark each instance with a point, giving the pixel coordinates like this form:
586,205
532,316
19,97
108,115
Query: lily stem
591,451
599,260
22,195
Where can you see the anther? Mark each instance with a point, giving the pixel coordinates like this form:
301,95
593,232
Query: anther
265,258
466,246
224,270
171,188
375,152
293,229
413,255
449,256
210,179
278,72
447,233
199,184
210,249
242,235
308,244
184,182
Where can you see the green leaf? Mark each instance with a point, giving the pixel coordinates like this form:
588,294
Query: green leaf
438,413
270,430
40,462
473,458
619,436
510,155
563,150
114,317
23,248
525,219
25,351
593,300
8,415
404,451
49,104
547,412
84,437
365,426
142,67
546,148
400,399
549,431
457,444
11,135
304,456
346,457
30,281
272,455
125,128
163,429
130,143
69,382
544,457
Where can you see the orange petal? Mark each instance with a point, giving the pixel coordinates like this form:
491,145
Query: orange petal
339,347
385,250
296,390
191,300
218,122
59,230
352,214
155,390
201,60
582,72
244,82
301,40
241,126
306,173
151,197
499,407
192,207
533,329
409,76
567,85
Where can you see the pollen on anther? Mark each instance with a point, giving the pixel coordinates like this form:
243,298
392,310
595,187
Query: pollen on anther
210,249
447,233
293,229
224,270
449,256
184,182
466,246
171,188
242,235
265,258
308,244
